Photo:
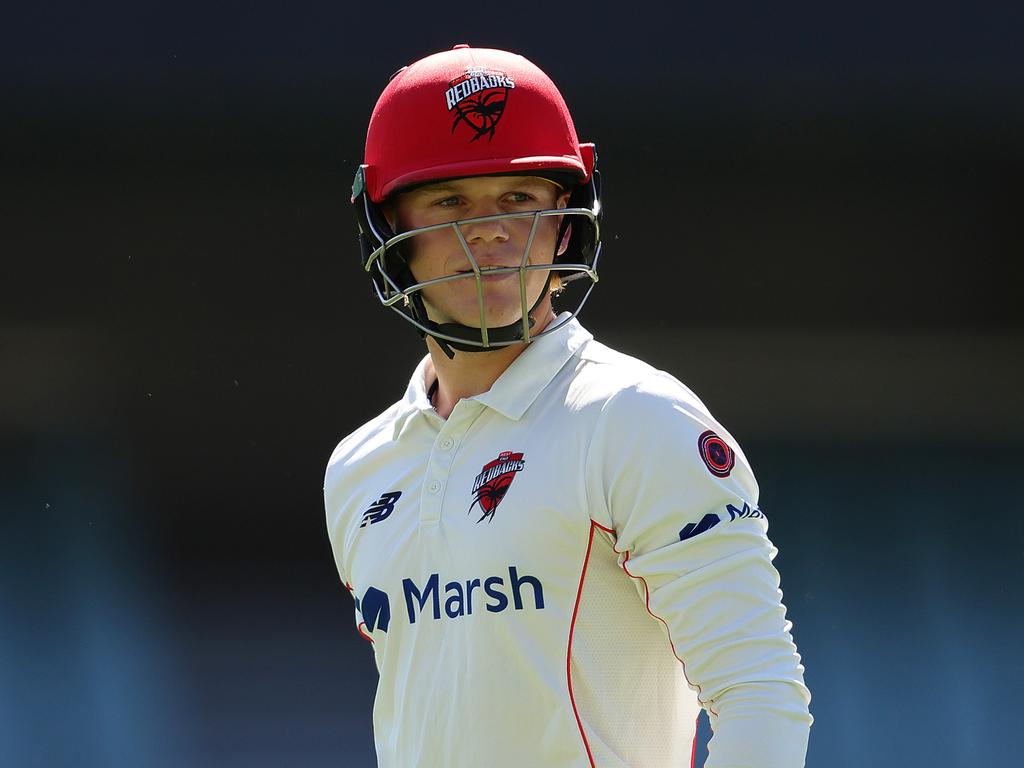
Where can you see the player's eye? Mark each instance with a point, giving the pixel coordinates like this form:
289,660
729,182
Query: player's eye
448,202
520,197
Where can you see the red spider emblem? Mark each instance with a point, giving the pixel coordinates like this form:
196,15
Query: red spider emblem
493,482
481,112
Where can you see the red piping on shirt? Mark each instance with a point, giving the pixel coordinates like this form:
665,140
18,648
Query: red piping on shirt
568,653
693,749
361,624
647,604
364,634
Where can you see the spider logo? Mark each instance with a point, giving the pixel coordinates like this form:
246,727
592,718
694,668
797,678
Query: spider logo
493,483
481,112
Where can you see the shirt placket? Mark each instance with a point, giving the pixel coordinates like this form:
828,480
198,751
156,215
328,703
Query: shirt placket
442,459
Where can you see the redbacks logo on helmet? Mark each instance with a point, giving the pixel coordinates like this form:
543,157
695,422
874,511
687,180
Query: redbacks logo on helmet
478,99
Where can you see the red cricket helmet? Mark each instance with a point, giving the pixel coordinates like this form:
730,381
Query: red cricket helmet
472,112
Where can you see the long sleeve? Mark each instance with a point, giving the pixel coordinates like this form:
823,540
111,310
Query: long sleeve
679,496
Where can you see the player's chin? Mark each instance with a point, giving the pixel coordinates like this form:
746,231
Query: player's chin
495,317
502,302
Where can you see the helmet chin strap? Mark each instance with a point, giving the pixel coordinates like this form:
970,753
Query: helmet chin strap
508,334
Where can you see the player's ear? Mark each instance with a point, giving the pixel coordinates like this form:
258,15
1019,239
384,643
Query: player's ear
562,201
563,245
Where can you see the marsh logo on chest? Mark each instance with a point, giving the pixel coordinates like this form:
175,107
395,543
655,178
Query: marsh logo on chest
478,100
493,482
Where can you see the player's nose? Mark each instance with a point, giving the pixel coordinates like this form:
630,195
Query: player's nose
491,230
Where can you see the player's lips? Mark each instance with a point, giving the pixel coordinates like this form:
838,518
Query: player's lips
492,273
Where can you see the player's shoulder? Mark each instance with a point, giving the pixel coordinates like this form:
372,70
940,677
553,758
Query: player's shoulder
363,441
345,477
647,414
628,385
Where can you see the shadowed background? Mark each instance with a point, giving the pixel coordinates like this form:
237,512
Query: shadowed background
812,218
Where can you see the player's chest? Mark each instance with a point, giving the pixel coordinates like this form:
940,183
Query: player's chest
470,501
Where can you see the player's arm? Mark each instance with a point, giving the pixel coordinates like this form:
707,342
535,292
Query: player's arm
684,511
337,526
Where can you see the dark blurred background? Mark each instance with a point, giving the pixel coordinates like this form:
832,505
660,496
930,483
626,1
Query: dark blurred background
813,219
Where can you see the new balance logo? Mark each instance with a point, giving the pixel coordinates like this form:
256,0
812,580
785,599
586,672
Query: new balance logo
712,519
381,509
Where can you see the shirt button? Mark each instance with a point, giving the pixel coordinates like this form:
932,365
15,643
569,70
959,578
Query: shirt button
447,443
434,486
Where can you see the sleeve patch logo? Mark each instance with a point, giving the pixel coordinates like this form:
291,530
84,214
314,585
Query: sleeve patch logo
712,519
493,482
716,454
478,99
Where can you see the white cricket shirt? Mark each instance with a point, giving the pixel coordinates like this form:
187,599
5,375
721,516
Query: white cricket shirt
562,572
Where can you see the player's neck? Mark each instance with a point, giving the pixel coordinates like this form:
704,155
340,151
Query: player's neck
470,373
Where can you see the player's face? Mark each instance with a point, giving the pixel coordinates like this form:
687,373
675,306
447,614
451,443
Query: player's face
493,244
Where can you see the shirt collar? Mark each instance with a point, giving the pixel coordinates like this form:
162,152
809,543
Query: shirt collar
521,383
415,399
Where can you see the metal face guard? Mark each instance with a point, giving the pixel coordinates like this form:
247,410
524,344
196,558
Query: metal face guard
403,300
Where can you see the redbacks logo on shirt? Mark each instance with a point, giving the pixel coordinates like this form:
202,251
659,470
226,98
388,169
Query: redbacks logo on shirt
478,99
493,482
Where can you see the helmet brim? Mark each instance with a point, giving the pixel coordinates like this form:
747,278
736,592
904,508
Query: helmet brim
524,166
